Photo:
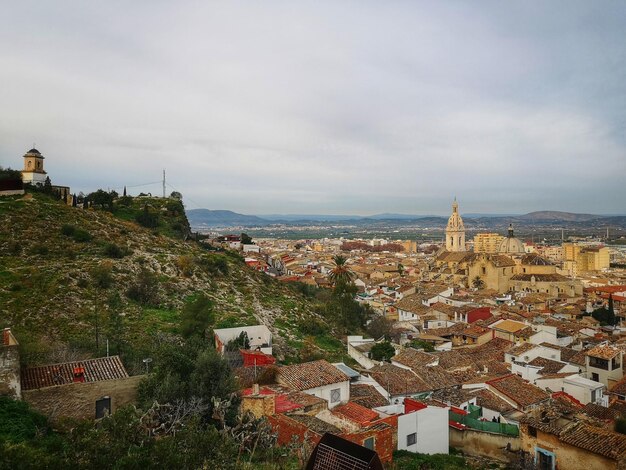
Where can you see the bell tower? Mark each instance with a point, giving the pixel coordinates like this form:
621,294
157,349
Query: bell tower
455,230
33,172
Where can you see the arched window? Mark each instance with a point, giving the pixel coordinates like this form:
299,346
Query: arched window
30,164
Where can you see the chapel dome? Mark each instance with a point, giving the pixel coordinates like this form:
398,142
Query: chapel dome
511,244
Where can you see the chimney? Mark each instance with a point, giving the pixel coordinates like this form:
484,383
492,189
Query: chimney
255,389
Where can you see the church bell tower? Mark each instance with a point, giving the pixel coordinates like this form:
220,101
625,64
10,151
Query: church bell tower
455,231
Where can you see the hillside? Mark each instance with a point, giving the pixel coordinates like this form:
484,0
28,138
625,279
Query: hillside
66,271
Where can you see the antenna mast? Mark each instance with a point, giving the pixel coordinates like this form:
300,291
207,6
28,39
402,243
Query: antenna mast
163,183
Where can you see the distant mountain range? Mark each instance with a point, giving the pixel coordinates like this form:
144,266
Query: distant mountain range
225,218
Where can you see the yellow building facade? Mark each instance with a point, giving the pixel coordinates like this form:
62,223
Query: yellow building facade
487,242
579,258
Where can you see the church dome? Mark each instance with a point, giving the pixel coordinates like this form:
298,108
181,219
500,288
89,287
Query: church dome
455,222
33,150
510,244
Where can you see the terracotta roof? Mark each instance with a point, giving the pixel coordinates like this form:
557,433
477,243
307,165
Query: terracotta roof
600,412
398,381
436,377
548,366
356,413
603,351
367,395
453,396
599,441
315,424
95,370
310,375
413,358
533,259
540,277
521,349
620,387
488,399
518,390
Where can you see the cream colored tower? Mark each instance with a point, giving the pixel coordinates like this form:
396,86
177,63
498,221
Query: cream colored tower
455,231
33,171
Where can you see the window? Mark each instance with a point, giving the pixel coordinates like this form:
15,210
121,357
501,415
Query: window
369,443
411,439
532,432
595,377
335,395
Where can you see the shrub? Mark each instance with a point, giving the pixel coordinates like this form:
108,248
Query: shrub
14,248
68,230
111,250
102,275
145,288
383,351
40,249
147,219
81,235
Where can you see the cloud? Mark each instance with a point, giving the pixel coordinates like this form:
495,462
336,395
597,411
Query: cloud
342,107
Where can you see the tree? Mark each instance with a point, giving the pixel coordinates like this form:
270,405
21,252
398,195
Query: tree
240,342
176,195
478,283
246,239
196,317
103,199
380,327
47,186
401,269
341,273
147,219
382,351
425,345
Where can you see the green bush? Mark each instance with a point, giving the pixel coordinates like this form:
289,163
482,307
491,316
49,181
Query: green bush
40,249
111,250
147,219
68,230
81,235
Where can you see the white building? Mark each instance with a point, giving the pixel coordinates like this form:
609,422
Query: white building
259,336
421,429
317,378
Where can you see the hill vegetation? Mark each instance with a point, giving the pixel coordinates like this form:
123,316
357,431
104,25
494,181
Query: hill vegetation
75,281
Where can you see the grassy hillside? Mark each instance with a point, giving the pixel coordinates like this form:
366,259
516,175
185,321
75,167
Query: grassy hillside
66,271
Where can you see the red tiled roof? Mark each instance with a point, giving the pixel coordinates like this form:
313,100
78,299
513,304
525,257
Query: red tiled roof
356,413
517,389
310,375
95,370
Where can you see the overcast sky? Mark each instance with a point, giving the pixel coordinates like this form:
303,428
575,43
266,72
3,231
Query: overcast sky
330,107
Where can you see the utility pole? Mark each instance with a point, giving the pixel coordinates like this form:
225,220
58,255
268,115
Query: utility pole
164,183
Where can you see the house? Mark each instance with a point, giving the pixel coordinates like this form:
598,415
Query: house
604,364
511,330
259,337
473,315
557,440
517,392
359,349
79,389
422,428
318,378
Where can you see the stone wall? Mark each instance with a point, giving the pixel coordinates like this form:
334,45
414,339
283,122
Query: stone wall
485,444
78,400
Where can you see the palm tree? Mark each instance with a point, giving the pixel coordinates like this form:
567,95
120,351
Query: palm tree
478,283
341,273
